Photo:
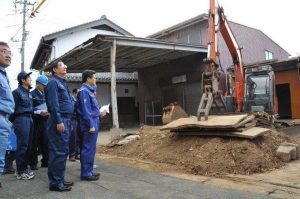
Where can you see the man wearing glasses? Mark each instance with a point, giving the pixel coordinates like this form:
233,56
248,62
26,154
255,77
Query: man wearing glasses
7,104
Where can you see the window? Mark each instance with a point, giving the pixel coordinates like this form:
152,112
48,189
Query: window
153,113
268,55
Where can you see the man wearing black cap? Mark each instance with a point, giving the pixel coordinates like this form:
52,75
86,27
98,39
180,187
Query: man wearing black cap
23,124
61,108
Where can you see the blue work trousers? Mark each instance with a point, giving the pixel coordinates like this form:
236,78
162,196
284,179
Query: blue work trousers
88,150
23,128
5,128
58,144
39,141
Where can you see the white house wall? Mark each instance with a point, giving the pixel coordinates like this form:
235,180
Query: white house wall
67,42
103,91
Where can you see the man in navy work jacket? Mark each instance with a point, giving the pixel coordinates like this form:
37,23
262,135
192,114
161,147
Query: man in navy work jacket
39,138
7,104
60,107
89,115
23,124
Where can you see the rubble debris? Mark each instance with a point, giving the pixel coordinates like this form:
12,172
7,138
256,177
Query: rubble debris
288,151
123,139
295,145
209,155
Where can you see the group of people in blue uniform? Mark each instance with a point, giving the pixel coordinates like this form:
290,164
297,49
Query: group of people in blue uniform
48,121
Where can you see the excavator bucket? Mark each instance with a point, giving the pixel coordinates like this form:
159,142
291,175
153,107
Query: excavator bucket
173,112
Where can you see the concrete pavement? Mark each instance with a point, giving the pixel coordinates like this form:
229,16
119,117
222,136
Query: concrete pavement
116,182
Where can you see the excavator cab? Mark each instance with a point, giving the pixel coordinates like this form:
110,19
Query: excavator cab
259,89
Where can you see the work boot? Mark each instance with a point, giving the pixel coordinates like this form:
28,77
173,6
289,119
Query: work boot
68,183
90,178
96,174
61,188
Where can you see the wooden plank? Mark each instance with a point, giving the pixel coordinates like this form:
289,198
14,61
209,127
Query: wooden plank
223,130
248,119
249,134
246,127
214,121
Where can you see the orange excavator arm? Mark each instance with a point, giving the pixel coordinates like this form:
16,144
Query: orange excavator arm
213,96
236,55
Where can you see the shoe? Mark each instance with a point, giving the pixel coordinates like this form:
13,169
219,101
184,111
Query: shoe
77,157
90,178
61,188
68,183
24,176
95,166
72,159
9,171
29,172
96,174
34,167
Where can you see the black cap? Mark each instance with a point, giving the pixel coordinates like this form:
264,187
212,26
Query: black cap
23,75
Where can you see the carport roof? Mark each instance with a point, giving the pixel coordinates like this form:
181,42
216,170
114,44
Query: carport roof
132,53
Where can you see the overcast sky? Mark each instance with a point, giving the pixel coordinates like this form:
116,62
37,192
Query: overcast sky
277,19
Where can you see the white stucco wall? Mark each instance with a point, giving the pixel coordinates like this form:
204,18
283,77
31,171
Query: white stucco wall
67,42
103,91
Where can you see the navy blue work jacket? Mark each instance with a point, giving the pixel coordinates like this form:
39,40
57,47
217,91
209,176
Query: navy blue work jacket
23,101
87,105
58,99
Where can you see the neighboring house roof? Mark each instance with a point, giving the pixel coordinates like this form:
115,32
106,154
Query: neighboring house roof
251,40
104,77
179,26
45,46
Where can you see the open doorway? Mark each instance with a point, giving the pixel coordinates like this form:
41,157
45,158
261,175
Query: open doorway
284,100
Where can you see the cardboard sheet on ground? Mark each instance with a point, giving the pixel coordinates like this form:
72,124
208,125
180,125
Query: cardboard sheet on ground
249,133
104,108
214,121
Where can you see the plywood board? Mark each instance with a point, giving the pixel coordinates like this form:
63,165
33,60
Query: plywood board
214,121
223,130
248,119
249,133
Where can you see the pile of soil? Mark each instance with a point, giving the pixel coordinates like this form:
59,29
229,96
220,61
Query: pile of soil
210,156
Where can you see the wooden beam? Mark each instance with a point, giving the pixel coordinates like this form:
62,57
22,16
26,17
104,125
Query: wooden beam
113,84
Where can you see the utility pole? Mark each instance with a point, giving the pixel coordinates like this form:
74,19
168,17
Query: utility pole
24,32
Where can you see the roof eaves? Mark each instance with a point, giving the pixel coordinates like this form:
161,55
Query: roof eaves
179,26
102,21
38,52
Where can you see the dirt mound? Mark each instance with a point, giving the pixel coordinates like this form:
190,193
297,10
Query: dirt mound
211,156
